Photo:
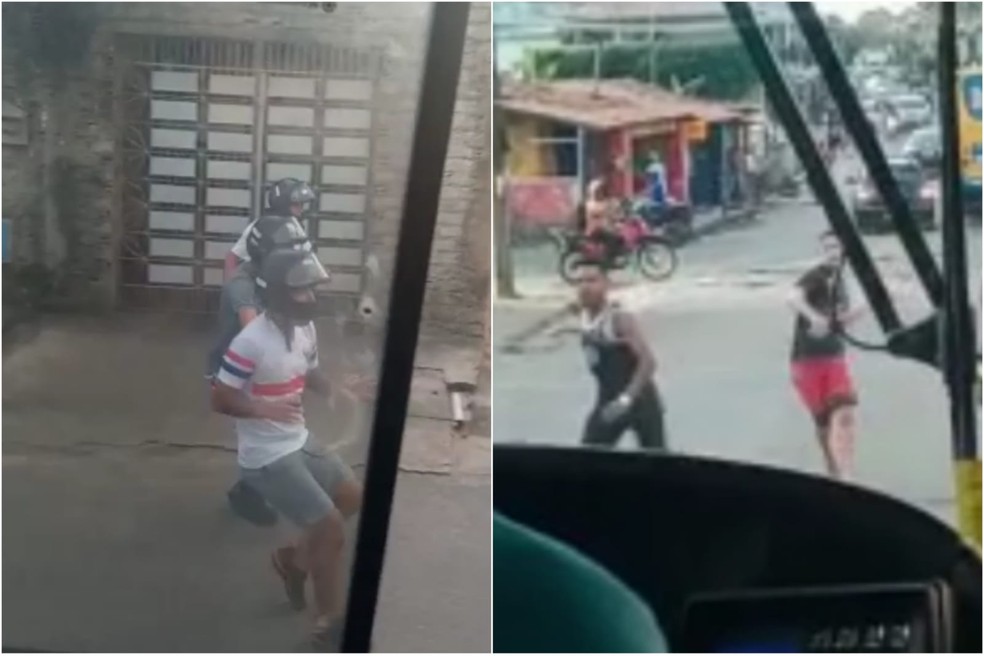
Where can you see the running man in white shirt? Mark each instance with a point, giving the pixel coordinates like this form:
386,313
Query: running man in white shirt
238,306
260,382
287,198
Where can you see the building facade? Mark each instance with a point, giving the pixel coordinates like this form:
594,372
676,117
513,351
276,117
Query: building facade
152,155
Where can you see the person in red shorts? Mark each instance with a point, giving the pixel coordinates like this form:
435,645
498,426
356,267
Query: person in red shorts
819,360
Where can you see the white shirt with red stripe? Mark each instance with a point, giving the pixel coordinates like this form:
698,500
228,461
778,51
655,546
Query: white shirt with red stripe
259,363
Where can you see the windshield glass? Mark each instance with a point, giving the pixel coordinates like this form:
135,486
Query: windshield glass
926,139
708,328
912,102
185,451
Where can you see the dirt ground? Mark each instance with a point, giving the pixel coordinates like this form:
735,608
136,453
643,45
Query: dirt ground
116,532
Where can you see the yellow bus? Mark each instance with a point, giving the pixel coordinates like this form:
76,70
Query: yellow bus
970,135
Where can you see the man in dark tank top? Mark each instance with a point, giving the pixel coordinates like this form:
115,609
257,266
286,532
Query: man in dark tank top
622,364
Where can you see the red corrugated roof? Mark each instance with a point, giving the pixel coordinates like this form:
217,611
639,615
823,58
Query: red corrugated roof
609,104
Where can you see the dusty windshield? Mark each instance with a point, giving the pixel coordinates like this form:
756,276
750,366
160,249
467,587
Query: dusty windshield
186,186
709,319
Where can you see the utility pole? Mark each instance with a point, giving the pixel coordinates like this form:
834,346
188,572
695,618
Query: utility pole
652,47
504,274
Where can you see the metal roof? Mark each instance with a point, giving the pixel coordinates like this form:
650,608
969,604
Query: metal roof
609,104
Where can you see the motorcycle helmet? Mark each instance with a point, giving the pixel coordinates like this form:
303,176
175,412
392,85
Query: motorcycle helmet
288,192
271,232
287,273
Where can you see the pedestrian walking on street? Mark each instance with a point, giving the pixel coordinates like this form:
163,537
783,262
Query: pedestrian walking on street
260,382
820,370
623,365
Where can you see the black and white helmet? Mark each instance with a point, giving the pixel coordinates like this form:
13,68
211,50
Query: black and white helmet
284,272
287,192
269,233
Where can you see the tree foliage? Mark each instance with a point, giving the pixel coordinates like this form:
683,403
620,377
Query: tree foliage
846,37
910,35
724,70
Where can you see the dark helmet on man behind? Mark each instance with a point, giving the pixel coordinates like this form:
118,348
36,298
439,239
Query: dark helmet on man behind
271,232
288,192
285,275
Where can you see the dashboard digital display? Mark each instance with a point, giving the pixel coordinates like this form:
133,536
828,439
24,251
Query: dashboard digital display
889,619
778,644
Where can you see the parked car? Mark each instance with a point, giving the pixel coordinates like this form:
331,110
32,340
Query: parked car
877,114
921,192
910,111
926,147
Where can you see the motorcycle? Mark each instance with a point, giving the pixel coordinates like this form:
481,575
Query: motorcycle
652,252
675,220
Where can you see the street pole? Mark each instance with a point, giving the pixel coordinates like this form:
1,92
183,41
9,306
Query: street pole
958,336
505,280
652,47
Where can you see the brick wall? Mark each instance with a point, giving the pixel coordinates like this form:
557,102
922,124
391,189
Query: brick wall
458,282
458,285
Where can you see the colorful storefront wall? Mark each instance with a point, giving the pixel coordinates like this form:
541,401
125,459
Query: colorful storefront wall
698,157
526,157
671,141
707,169
717,166
536,197
536,203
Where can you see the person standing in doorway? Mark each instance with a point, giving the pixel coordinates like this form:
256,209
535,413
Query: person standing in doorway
820,370
622,364
261,380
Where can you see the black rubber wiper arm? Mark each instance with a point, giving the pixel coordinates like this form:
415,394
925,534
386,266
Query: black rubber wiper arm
817,175
958,325
870,150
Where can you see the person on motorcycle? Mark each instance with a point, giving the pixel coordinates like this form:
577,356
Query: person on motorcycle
286,198
260,382
657,192
658,207
601,219
238,306
623,365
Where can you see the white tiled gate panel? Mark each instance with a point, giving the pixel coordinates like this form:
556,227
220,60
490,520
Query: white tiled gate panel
319,131
203,142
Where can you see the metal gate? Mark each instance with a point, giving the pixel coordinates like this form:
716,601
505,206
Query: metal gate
207,124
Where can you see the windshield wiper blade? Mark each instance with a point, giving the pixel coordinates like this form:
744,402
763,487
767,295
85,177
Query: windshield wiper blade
817,175
958,325
872,154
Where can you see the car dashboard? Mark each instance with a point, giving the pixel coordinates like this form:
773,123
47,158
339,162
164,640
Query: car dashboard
742,558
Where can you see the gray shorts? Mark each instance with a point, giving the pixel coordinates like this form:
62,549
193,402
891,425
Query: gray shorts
300,484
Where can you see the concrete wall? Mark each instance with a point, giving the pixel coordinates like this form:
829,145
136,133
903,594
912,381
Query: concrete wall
87,141
71,228
459,282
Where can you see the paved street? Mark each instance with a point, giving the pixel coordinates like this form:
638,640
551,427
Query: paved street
116,532
721,333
